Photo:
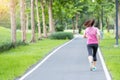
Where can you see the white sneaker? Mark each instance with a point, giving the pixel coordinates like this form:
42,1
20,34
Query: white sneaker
91,66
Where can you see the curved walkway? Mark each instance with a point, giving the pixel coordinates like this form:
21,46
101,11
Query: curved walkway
68,62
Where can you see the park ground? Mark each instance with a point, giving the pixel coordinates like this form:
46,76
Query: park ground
21,60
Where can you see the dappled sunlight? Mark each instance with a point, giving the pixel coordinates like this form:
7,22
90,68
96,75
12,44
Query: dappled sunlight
109,35
4,12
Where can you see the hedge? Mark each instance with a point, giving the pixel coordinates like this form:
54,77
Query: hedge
61,35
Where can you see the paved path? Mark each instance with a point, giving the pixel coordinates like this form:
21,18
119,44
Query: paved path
68,63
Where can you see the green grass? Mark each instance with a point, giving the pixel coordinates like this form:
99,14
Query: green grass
15,62
5,36
111,55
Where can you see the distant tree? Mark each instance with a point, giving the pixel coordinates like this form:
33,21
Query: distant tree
42,3
119,20
13,21
38,20
52,29
27,11
23,22
77,20
32,21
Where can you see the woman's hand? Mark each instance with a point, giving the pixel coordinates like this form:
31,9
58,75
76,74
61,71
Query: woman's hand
84,36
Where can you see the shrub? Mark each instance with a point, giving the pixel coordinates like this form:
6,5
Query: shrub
61,35
7,46
59,28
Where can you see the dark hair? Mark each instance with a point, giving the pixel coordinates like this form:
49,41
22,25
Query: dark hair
92,23
89,23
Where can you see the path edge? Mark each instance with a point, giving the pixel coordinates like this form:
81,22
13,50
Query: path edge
107,74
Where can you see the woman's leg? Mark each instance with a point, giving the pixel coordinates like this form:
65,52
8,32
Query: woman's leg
90,57
94,54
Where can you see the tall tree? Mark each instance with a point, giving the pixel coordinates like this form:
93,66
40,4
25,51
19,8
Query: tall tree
119,20
73,25
13,21
32,21
77,19
38,20
23,22
27,11
42,2
52,29
27,22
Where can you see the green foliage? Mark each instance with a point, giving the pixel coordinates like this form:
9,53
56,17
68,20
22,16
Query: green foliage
18,24
7,46
61,35
59,28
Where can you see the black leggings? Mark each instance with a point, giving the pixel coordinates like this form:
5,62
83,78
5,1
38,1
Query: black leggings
92,50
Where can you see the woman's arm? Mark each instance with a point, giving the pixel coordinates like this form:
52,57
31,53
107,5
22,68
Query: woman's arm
98,35
84,35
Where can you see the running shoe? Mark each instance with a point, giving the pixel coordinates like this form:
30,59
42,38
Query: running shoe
91,66
94,69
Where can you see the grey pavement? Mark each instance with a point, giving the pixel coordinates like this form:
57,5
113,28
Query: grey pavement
68,63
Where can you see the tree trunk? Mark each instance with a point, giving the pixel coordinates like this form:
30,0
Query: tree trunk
32,21
38,20
43,18
77,17
119,21
73,25
52,29
100,23
107,25
23,22
13,21
27,19
27,22
76,26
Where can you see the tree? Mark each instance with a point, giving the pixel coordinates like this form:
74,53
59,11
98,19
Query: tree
52,29
23,23
42,2
109,13
73,22
32,21
13,21
38,20
77,19
119,20
27,11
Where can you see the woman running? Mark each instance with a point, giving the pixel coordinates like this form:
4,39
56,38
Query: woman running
93,36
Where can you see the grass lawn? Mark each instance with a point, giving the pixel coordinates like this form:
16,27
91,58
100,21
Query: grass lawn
5,36
111,55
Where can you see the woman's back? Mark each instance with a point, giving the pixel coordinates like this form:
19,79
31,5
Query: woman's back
91,33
